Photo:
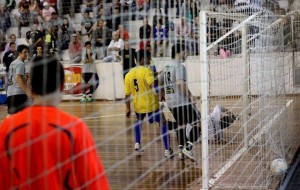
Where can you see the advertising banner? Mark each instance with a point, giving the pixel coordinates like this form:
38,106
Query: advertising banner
72,85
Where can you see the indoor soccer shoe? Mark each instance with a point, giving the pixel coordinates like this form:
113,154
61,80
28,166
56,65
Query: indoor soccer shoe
181,155
169,153
89,99
83,100
188,154
138,147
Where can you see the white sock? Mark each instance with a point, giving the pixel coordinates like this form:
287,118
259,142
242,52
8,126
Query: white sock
188,129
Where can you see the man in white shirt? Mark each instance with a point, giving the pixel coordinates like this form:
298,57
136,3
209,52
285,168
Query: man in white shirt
114,47
17,91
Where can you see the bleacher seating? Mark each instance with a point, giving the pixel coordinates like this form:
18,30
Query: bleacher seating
132,26
24,30
12,30
22,41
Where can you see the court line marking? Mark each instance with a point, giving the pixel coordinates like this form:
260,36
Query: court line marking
102,116
72,104
243,150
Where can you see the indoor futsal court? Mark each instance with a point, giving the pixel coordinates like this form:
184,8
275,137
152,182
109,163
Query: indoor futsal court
235,62
127,169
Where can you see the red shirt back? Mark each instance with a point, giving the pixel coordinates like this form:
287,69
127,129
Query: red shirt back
46,148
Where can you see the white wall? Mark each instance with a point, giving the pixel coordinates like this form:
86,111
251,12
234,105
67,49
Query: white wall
226,76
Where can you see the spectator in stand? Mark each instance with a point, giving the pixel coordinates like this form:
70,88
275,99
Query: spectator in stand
12,38
54,24
54,21
123,33
142,6
65,7
128,57
145,34
195,37
164,4
89,4
195,8
34,38
158,17
178,6
183,32
127,4
116,20
160,36
102,36
213,31
51,41
185,10
52,3
87,24
2,41
38,55
194,44
5,18
36,8
47,11
183,29
101,13
65,33
23,19
75,49
10,56
102,16
225,45
115,5
114,47
10,5
195,27
236,42
23,4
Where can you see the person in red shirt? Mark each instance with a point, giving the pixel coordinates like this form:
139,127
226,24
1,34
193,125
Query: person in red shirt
43,147
123,33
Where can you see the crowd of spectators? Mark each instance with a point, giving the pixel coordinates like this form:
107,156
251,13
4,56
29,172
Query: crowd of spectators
51,25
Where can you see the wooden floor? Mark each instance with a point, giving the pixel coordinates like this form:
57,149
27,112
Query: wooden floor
127,169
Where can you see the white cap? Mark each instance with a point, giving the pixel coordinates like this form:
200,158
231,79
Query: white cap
45,4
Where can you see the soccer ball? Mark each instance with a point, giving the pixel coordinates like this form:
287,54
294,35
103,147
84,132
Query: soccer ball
279,166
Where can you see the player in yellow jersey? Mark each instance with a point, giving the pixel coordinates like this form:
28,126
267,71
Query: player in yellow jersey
139,83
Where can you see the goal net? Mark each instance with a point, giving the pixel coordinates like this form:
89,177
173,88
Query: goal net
245,69
240,69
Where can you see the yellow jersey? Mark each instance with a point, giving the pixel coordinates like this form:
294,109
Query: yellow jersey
138,83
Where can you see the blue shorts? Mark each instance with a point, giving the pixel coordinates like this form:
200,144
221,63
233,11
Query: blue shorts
152,116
